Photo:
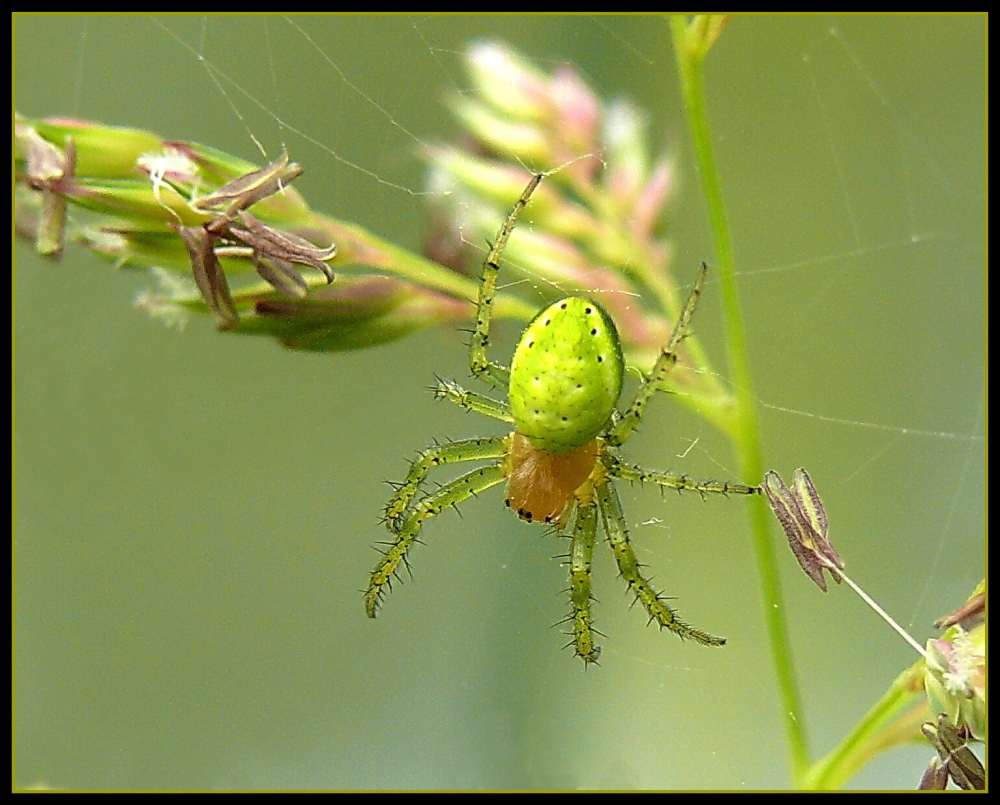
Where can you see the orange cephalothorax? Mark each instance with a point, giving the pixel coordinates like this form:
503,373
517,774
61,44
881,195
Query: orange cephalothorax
542,484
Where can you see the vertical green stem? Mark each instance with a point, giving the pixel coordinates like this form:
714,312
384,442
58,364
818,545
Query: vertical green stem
691,43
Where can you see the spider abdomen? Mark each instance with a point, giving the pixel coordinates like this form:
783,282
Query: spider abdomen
566,375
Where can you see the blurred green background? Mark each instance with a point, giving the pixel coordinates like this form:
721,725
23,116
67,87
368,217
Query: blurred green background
195,511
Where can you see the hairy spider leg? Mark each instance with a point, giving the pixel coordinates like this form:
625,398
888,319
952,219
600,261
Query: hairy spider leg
581,554
669,480
436,456
451,494
626,423
480,365
471,401
628,567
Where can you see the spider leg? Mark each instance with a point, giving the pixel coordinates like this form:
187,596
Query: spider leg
669,480
480,365
628,566
469,400
581,555
461,489
626,423
450,453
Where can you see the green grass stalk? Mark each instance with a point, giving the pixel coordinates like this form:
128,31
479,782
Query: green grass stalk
691,43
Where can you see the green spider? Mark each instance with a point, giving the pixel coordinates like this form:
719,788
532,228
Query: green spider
563,387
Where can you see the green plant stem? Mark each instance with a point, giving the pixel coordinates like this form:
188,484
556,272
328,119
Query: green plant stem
875,733
691,44
370,250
